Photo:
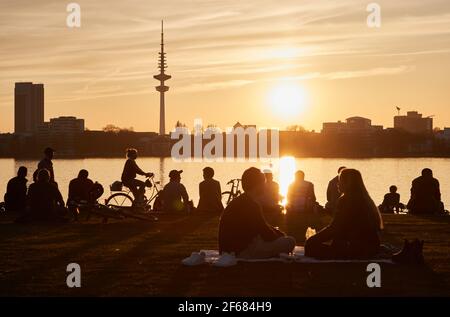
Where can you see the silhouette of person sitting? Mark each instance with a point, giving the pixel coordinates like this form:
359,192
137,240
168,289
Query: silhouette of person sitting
80,187
425,194
391,202
243,229
210,193
174,196
47,163
354,230
271,198
79,192
130,171
16,192
333,192
45,200
301,196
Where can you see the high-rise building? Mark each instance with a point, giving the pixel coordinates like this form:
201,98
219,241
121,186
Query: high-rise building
28,107
413,122
162,88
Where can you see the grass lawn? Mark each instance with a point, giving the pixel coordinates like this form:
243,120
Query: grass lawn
133,258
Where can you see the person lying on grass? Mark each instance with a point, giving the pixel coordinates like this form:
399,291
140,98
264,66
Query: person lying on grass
353,232
243,229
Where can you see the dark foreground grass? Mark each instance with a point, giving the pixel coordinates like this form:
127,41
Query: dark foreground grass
133,258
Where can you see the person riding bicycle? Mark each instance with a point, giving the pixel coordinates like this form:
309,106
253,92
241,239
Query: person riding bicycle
130,171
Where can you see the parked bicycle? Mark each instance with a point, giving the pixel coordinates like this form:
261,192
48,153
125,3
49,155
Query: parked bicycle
234,192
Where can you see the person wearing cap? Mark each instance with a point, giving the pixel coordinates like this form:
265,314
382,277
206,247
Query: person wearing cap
47,163
130,171
210,193
271,198
174,196
243,231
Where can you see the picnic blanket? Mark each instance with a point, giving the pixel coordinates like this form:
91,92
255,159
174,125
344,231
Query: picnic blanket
297,256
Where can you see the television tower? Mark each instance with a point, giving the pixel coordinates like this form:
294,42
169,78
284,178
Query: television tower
162,77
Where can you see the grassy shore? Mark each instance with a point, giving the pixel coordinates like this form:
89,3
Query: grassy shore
134,258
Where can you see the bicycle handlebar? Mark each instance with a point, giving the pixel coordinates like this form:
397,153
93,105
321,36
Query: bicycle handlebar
234,180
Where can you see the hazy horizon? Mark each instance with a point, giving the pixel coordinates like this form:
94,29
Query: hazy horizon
229,60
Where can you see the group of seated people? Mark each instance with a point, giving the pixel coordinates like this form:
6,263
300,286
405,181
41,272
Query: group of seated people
425,197
43,200
353,232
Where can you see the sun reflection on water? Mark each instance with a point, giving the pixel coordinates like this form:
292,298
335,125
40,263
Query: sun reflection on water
286,172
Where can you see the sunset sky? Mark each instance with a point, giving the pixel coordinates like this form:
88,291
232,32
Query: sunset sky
229,60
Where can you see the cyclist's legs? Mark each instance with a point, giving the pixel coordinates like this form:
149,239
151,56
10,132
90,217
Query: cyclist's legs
137,187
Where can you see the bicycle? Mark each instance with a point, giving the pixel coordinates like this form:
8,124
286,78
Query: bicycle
123,199
234,192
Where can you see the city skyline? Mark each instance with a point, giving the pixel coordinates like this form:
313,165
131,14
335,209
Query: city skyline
228,65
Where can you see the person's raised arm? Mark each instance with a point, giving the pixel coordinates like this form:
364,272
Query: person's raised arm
137,169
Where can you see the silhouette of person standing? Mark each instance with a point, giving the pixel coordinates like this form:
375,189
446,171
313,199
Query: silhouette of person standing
47,163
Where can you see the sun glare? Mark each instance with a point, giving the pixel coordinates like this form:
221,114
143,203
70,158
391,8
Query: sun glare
287,99
287,169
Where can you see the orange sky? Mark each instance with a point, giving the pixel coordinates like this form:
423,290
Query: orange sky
226,58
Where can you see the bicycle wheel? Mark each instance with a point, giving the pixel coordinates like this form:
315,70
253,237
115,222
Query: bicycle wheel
119,200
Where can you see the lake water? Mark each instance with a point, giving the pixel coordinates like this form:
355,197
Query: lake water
378,174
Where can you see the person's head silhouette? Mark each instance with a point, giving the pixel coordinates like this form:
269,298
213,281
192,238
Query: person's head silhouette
43,176
83,174
208,173
299,176
253,181
426,172
49,152
22,172
132,154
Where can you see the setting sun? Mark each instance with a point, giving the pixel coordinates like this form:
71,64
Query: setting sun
287,99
